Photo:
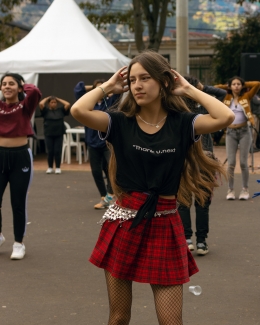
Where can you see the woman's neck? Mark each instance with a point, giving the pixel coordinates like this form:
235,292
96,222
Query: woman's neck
152,111
12,101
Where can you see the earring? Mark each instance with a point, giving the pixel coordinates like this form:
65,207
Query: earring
161,93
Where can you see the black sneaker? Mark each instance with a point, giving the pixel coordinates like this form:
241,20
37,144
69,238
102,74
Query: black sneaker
202,248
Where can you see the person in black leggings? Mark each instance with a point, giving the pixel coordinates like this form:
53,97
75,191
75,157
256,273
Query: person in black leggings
16,109
54,129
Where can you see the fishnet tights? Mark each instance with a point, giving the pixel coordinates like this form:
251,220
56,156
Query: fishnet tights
120,300
168,302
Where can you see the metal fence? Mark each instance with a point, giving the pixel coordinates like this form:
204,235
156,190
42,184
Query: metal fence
201,68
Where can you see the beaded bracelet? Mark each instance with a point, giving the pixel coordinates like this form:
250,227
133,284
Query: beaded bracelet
105,95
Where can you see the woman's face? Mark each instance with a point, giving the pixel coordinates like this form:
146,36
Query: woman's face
53,104
145,89
236,86
10,90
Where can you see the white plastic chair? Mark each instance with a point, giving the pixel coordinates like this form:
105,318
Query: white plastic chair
79,146
39,133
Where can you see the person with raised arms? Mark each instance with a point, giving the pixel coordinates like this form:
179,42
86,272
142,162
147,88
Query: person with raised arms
156,158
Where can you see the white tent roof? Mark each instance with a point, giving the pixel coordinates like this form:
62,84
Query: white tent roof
63,41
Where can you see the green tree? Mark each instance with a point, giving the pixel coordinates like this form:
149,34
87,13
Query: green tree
241,1
143,12
7,32
226,61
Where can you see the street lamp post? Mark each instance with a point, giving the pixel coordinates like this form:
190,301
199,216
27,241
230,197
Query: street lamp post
182,38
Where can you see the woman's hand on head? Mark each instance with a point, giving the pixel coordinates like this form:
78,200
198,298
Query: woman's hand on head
181,84
200,86
118,82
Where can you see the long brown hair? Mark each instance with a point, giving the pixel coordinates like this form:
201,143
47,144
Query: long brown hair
199,172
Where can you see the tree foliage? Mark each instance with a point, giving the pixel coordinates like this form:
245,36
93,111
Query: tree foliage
226,61
143,14
240,2
152,14
7,32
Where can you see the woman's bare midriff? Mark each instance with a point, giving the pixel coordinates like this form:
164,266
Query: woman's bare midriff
236,126
13,142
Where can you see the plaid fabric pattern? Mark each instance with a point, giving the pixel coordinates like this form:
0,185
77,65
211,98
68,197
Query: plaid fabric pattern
156,254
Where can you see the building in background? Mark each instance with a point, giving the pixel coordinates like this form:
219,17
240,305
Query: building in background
200,52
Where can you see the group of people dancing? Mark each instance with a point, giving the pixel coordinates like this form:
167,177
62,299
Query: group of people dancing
157,140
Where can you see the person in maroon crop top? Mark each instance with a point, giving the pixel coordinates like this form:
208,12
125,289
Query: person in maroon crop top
16,109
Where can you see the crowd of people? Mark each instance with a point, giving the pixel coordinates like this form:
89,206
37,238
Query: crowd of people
148,131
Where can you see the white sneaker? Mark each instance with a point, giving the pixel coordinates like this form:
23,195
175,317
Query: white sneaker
18,251
2,239
49,171
190,244
57,171
230,195
244,195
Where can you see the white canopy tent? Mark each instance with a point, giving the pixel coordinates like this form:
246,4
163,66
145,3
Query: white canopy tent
63,41
60,50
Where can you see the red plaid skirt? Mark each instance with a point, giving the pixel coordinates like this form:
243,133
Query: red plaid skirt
156,254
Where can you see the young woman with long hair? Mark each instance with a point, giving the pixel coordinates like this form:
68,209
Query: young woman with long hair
239,133
16,109
155,160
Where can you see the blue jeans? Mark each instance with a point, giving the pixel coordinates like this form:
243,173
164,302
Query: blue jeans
234,137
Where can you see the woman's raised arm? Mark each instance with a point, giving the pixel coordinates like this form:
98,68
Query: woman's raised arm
64,103
43,102
219,117
82,109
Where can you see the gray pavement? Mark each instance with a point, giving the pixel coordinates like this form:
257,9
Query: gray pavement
55,283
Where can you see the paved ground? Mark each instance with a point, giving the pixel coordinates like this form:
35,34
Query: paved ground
40,161
55,283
